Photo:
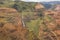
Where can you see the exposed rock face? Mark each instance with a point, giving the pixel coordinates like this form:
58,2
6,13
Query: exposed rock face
57,8
39,6
11,25
53,27
54,14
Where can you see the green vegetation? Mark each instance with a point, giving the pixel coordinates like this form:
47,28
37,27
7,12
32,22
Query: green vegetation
33,22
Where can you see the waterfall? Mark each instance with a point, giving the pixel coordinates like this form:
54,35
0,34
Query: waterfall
23,23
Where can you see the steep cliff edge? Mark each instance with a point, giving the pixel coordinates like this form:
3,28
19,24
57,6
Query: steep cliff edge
11,27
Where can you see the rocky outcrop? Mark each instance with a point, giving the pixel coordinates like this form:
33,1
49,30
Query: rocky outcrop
51,28
11,27
39,6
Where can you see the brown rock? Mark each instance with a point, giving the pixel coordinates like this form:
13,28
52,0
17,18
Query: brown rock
12,27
